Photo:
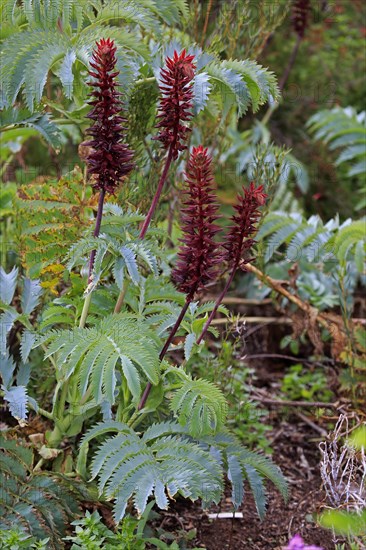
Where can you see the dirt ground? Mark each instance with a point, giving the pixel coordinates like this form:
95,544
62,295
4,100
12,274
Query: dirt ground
297,454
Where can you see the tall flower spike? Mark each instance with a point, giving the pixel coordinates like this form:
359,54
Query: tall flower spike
199,253
110,159
239,238
300,12
176,101
175,105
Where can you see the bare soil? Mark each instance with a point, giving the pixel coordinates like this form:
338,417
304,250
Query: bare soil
297,454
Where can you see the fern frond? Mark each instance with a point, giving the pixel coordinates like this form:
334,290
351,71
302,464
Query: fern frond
343,128
43,245
242,463
242,83
351,239
200,406
129,466
165,462
94,354
38,503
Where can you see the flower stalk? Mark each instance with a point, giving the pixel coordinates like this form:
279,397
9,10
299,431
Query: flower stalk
108,159
199,254
239,240
175,110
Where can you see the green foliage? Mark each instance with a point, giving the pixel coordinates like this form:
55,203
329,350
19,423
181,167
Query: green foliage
345,523
244,27
91,534
200,406
38,503
242,464
15,377
354,355
166,461
11,119
224,367
161,307
265,163
158,305
34,48
242,83
313,240
118,343
343,128
15,539
118,248
99,371
53,215
128,465
297,384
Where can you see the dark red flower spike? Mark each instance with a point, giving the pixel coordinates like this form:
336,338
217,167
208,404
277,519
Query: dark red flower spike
176,102
110,159
174,111
300,12
199,254
239,239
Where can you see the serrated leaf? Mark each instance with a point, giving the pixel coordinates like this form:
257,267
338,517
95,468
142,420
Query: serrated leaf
188,345
26,343
7,368
7,320
130,259
30,298
17,398
236,479
201,91
65,73
8,283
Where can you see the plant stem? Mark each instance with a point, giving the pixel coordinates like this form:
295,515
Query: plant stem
40,411
217,303
290,63
283,81
84,313
98,222
121,297
156,198
147,390
209,6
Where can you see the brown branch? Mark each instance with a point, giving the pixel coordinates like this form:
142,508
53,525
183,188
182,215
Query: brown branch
209,6
325,319
290,63
253,320
287,403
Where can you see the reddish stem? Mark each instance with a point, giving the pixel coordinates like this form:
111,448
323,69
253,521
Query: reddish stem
147,390
156,198
217,304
